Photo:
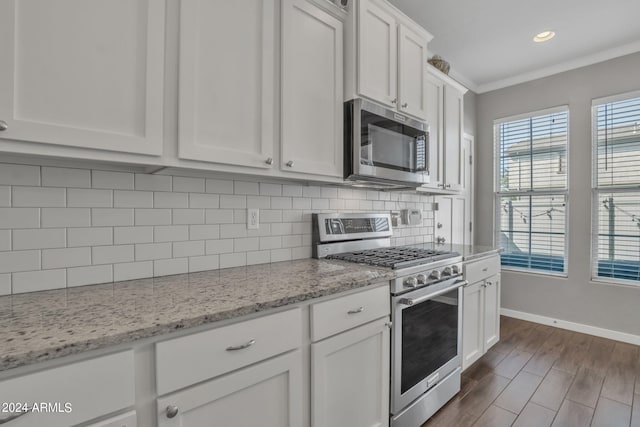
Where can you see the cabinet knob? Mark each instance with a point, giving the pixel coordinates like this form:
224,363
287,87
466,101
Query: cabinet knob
269,161
394,100
3,125
405,105
172,411
290,163
448,186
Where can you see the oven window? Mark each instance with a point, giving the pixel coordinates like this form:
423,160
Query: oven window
429,338
392,145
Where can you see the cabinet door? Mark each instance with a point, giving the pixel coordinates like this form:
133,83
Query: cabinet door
312,90
83,74
467,188
434,89
377,53
491,311
472,328
452,218
412,64
350,378
268,394
453,117
443,218
227,81
124,420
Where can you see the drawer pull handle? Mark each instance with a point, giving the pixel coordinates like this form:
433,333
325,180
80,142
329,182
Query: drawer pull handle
485,269
13,417
172,411
241,346
356,311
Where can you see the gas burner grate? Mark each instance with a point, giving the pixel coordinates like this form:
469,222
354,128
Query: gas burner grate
398,257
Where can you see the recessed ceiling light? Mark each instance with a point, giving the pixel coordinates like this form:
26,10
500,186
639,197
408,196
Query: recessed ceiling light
544,36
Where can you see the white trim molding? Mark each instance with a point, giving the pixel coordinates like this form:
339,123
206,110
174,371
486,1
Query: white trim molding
572,326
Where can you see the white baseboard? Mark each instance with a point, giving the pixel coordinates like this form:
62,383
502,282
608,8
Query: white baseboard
572,326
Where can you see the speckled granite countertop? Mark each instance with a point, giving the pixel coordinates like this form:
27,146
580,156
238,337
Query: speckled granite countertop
46,325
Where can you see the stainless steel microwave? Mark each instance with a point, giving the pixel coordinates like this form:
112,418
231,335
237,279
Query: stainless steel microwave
384,148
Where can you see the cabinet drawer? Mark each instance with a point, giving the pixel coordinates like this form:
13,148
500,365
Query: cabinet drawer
188,360
331,317
93,388
480,270
124,420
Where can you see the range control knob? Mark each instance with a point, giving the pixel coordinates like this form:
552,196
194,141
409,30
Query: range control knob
422,278
410,282
446,271
455,269
435,275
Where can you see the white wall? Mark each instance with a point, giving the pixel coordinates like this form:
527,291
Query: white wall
69,227
574,298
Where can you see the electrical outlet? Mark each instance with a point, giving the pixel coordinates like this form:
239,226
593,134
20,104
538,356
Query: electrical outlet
253,219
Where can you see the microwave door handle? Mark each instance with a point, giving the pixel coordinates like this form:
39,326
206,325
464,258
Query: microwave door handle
414,301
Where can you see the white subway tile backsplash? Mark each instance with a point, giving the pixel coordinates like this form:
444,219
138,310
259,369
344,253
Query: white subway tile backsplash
164,199
329,193
270,215
11,174
291,191
382,195
188,216
19,261
271,242
366,205
167,267
93,236
5,284
19,218
240,216
187,249
233,260
311,192
263,230
170,233
5,196
336,204
301,228
112,180
301,252
132,270
69,257
66,217
127,235
259,202
233,230
152,182
280,255
319,204
291,241
372,195
351,205
91,275
378,205
65,177
301,203
219,186
5,240
292,215
101,217
281,229
88,198
188,185
197,200
246,244
33,281
233,202
281,202
112,254
241,187
203,263
258,257
44,238
204,232
132,199
214,247
267,189
152,216
219,216
28,197
150,251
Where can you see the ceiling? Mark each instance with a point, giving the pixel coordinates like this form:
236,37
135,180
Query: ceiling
489,43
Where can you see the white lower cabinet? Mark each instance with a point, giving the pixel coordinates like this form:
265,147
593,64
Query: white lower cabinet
350,378
268,394
480,318
124,420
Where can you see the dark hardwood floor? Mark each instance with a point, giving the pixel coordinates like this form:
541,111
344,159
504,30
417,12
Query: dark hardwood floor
539,376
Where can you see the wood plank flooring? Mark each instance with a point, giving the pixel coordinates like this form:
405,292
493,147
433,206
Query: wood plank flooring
540,376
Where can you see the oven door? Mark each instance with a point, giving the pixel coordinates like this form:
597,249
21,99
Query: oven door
386,145
426,339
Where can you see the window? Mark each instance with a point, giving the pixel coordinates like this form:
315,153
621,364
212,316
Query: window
616,188
531,190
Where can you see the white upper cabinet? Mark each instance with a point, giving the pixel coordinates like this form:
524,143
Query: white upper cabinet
83,74
227,81
391,55
453,117
377,53
412,65
312,90
434,103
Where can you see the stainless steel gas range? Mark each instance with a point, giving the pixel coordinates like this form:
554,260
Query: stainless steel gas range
426,309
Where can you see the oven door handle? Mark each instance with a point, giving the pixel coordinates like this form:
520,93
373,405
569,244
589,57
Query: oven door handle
414,301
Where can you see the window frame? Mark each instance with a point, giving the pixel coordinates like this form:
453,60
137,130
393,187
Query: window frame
497,194
596,191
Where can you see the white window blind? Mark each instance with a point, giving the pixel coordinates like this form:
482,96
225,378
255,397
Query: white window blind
616,189
531,190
